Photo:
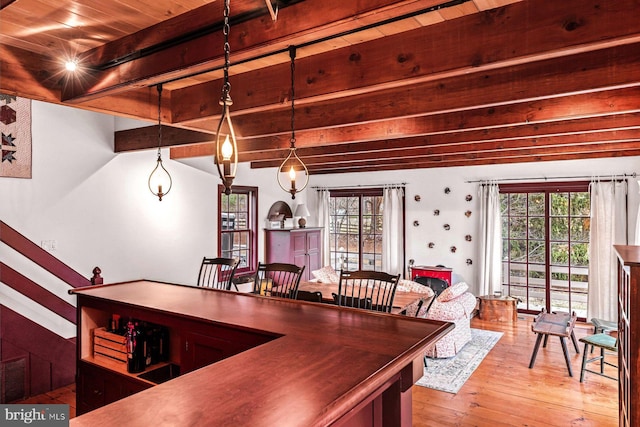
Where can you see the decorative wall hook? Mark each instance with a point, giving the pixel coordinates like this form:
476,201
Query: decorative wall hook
447,190
416,223
467,214
447,227
436,212
453,249
468,198
469,262
431,245
467,237
416,197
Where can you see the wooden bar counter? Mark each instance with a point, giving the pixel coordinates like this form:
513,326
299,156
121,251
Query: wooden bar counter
277,362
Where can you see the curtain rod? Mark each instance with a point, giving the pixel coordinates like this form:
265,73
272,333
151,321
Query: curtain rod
556,178
401,184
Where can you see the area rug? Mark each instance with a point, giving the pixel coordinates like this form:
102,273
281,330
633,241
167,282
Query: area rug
451,373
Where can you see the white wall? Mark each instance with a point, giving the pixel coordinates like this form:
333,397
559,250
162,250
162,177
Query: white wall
429,184
96,205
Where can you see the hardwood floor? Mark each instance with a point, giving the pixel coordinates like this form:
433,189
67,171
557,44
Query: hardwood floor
503,391
64,395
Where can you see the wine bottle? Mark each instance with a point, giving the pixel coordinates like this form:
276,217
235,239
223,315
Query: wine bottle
135,348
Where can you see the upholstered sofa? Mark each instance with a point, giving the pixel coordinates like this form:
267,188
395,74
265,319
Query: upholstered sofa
455,304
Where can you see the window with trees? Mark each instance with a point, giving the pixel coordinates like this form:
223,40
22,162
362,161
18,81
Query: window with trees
238,226
545,256
355,233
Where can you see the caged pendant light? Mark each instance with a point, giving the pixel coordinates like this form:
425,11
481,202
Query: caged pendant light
159,180
292,165
226,157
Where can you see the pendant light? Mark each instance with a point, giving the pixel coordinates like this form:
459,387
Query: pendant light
160,181
226,158
292,164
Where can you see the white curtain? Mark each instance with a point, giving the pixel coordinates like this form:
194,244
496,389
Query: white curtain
322,214
490,240
392,230
637,240
608,228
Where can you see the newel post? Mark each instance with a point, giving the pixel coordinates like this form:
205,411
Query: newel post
97,279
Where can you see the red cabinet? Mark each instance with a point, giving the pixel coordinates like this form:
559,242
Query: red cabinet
443,273
299,246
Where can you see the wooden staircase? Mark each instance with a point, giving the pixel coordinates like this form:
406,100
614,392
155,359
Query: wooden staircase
33,359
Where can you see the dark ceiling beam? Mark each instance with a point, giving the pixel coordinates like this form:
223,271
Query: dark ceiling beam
568,132
590,106
582,73
147,137
304,22
5,3
600,107
395,153
631,149
435,52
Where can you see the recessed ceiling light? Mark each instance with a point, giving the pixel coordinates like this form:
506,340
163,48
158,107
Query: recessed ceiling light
71,65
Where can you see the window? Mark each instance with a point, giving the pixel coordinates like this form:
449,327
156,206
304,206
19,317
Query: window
545,256
238,226
355,229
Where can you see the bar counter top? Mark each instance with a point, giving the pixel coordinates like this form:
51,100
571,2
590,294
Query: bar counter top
325,361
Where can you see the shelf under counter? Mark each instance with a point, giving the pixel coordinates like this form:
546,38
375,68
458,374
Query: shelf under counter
367,361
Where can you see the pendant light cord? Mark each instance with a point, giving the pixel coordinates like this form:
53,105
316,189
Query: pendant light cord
226,87
159,87
292,54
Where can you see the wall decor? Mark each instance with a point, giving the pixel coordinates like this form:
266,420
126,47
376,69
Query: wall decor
447,190
416,197
469,262
447,227
431,245
416,223
468,198
453,249
467,214
436,212
467,237
15,128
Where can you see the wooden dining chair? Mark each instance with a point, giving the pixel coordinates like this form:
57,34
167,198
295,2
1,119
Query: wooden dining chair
277,280
315,296
217,273
436,284
370,290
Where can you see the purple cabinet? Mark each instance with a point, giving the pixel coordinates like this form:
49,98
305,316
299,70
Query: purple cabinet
299,246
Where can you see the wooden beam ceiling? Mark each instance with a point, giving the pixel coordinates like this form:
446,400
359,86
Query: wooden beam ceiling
469,82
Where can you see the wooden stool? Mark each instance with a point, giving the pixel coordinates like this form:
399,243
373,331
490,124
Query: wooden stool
604,342
600,326
559,324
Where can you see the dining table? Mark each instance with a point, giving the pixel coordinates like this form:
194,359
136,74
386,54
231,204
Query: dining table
401,301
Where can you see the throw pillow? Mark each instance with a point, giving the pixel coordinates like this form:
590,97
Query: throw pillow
326,275
409,285
453,291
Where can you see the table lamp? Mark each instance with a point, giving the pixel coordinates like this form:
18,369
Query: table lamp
303,213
